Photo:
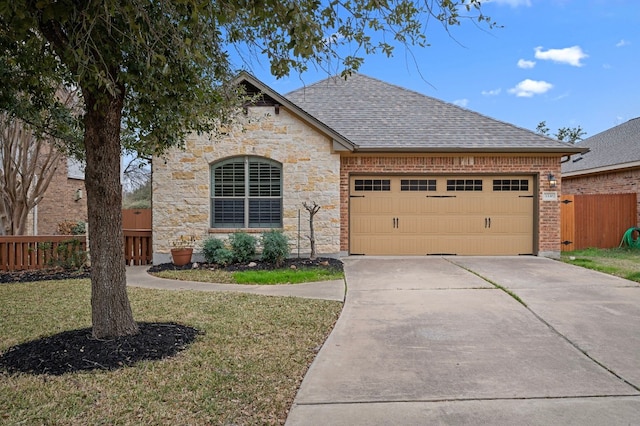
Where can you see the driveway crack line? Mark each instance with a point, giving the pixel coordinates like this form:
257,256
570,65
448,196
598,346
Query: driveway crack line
551,327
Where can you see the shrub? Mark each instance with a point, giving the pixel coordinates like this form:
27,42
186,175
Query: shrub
275,247
223,256
209,248
67,254
243,246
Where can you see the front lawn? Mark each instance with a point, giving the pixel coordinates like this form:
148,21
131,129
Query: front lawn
244,369
622,262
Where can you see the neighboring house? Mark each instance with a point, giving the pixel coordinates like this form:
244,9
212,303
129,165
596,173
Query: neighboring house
611,166
396,173
64,200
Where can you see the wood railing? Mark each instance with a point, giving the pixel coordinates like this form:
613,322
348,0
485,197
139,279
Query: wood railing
36,252
137,246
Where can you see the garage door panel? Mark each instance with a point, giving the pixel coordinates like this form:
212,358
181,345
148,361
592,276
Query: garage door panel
510,205
408,205
511,225
372,205
373,225
465,215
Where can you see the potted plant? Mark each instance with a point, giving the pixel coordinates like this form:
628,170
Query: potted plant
182,250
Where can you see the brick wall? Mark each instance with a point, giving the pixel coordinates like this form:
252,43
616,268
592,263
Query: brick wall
548,211
59,202
619,182
310,172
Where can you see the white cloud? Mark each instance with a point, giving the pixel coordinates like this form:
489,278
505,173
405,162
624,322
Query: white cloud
523,63
461,102
569,55
622,43
528,88
494,92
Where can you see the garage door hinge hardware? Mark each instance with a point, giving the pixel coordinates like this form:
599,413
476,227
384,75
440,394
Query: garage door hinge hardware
396,222
487,222
526,196
566,201
356,196
441,196
567,242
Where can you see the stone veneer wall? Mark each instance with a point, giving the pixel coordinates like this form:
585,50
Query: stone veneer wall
310,172
59,203
548,211
617,182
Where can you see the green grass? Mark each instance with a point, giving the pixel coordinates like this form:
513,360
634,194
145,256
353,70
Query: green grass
244,369
621,262
287,276
276,276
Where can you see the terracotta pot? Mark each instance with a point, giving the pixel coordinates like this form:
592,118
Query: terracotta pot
181,256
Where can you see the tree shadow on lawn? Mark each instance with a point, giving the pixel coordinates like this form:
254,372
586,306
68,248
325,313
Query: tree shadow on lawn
76,350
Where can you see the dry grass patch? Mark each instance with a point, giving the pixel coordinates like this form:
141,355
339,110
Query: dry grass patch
244,369
200,275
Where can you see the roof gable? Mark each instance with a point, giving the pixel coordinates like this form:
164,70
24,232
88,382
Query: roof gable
268,96
377,116
615,148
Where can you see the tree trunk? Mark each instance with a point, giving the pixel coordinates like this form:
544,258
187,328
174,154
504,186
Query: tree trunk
110,309
312,209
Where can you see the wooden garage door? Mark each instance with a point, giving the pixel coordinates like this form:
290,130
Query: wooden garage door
419,215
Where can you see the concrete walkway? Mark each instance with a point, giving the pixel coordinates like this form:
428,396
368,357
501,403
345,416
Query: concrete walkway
434,341
137,276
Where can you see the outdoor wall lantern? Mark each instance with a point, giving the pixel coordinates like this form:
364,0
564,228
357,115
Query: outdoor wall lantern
553,182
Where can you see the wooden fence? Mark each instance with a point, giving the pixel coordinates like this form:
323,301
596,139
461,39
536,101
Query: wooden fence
36,252
596,220
136,226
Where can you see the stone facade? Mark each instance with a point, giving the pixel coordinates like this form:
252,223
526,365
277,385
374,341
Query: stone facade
60,202
548,213
615,182
310,172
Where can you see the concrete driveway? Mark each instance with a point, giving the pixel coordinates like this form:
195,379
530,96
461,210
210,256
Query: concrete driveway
439,340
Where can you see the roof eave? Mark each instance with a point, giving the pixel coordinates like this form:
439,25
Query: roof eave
479,150
603,169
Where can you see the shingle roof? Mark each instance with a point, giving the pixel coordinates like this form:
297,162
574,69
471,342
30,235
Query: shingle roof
377,116
613,148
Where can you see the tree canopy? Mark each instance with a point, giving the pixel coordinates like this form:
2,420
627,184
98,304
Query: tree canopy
152,71
564,134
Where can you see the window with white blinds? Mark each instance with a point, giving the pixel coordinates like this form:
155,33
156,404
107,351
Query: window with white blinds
246,192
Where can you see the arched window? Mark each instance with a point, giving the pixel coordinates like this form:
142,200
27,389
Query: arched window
246,192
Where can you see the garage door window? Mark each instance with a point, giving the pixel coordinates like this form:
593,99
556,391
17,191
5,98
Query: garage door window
464,184
246,192
418,185
372,185
511,184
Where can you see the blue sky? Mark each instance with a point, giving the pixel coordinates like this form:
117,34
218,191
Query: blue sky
568,62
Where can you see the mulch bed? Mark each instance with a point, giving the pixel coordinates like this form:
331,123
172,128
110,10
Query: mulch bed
43,275
76,350
297,263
